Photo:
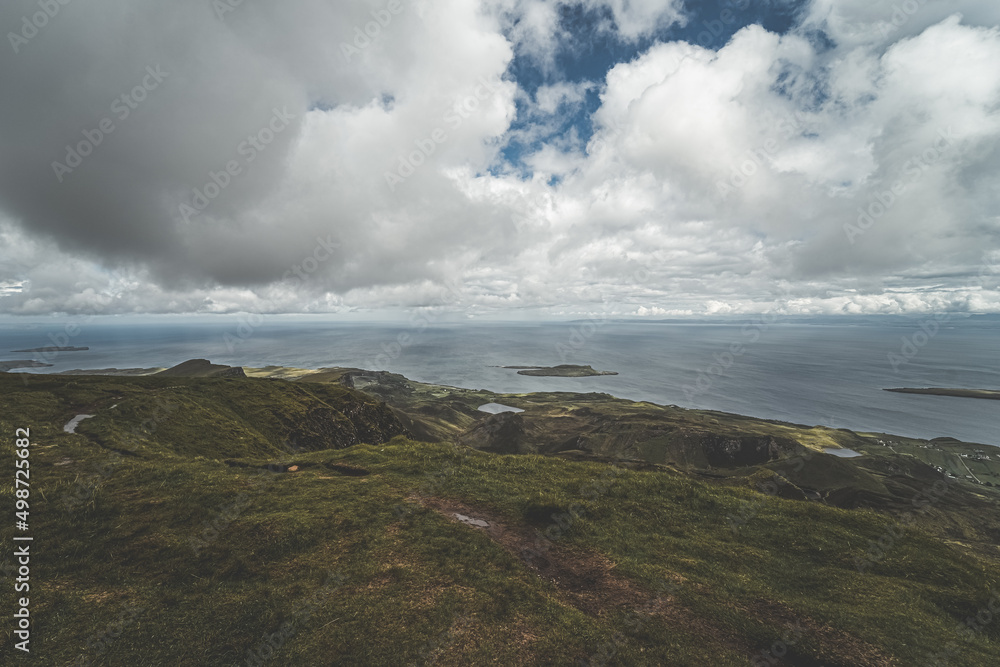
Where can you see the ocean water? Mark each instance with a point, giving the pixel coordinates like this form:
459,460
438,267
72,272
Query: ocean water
831,374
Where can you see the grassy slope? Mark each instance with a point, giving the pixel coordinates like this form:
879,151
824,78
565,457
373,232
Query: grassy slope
655,433
116,530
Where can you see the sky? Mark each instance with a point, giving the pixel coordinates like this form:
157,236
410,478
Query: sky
500,158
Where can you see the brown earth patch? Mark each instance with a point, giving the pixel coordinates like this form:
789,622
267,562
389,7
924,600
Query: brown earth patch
98,598
587,581
584,580
836,647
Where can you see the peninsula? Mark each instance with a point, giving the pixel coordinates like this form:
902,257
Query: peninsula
957,393
562,371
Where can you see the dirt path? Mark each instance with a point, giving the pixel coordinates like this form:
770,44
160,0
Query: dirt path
972,474
587,581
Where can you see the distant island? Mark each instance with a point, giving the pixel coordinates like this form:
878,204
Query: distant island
11,365
562,371
958,393
54,348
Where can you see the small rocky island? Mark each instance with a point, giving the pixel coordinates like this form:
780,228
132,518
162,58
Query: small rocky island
957,393
562,371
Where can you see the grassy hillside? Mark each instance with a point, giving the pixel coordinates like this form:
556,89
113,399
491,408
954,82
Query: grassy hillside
208,521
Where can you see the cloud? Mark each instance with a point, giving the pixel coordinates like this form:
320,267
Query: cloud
322,173
635,18
351,157
551,98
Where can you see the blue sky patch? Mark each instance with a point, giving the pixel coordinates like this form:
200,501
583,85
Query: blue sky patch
587,49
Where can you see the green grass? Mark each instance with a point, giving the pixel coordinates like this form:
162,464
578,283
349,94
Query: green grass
217,556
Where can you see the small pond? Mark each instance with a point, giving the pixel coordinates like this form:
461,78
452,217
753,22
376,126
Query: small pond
497,408
843,453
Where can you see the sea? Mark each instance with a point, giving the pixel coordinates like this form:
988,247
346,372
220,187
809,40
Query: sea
804,372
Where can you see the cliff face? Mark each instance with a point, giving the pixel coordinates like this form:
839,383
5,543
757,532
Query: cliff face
502,433
723,451
372,422
509,433
352,423
323,417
